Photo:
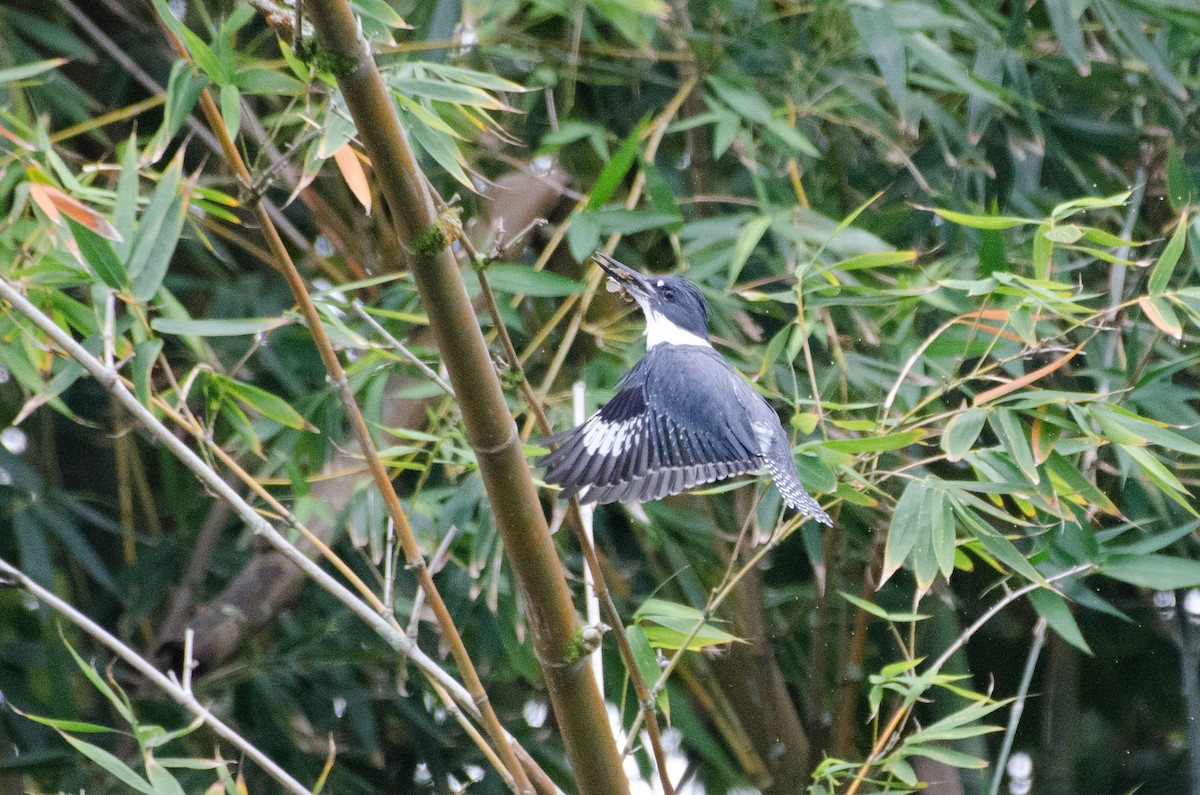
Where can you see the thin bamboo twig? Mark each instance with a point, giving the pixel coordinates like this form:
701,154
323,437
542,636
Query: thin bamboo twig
1018,707
359,310
182,695
586,514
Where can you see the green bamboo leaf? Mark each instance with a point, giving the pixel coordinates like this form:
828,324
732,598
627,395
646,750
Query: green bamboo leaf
224,327
126,204
751,233
1149,430
675,622
876,444
239,421
1043,251
161,779
470,77
1065,234
879,612
942,531
1069,208
219,69
382,12
15,74
231,108
1070,484
1164,269
80,726
119,702
522,280
184,87
924,559
947,756
647,662
99,253
262,401
110,763
886,44
981,221
1154,543
904,528
1125,27
1162,477
1181,189
996,544
903,771
583,235
791,137
615,170
1064,19
1011,432
442,149
749,104
876,259
153,242
1160,572
962,431
1057,613
442,91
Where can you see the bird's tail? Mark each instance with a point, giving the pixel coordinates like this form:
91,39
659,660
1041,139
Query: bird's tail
783,471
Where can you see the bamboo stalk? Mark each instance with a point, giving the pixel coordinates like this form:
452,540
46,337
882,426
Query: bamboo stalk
490,427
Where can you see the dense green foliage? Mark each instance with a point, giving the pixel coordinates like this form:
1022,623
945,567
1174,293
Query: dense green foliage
954,242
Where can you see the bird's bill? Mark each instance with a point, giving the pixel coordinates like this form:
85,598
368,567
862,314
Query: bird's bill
634,283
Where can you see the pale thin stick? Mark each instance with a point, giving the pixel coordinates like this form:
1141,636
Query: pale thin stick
586,514
176,691
357,306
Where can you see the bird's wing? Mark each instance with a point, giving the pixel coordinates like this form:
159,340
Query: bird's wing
676,423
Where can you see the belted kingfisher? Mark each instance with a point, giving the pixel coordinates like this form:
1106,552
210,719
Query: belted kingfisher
681,417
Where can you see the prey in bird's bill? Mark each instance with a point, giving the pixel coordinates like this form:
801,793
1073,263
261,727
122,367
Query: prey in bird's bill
681,417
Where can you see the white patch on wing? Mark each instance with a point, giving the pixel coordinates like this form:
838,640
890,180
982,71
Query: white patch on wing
765,434
660,330
610,438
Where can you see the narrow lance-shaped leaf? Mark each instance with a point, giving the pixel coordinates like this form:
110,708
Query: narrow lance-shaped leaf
1160,277
1057,613
924,554
1011,431
751,233
1160,572
1162,315
903,530
99,254
616,169
111,764
962,431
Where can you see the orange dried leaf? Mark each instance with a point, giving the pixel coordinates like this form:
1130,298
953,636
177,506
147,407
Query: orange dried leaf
353,173
54,203
1160,313
1025,380
16,139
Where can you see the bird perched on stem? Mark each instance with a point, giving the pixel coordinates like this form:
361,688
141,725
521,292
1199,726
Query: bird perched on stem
681,417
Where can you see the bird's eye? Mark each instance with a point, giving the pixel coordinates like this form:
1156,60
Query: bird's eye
668,294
